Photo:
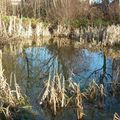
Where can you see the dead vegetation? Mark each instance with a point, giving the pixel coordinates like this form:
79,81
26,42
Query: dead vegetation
95,93
116,78
116,117
16,29
10,95
59,94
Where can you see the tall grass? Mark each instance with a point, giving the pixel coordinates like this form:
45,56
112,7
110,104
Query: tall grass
22,27
10,94
12,28
56,95
59,94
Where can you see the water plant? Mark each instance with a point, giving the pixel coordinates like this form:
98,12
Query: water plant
95,94
59,94
56,96
11,98
34,29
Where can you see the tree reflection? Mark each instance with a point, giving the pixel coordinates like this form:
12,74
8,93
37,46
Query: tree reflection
70,60
116,69
103,72
55,57
116,76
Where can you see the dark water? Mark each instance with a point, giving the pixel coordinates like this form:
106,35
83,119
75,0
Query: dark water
34,65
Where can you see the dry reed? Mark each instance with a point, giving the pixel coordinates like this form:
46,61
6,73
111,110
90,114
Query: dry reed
116,117
26,28
56,96
9,98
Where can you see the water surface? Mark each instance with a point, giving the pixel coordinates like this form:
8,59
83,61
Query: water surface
34,64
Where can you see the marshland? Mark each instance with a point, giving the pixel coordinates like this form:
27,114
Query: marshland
59,60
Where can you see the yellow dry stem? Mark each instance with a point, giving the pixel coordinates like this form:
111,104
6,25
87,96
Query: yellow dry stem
116,117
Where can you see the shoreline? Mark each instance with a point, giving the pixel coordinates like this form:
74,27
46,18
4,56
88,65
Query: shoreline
15,28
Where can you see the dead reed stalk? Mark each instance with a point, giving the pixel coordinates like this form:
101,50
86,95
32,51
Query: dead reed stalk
116,117
56,96
9,98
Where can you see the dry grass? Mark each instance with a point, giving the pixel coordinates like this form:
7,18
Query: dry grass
9,98
95,93
91,92
113,34
116,117
13,28
56,96
59,94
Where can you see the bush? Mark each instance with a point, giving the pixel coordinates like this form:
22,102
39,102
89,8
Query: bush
114,13
101,22
79,22
80,13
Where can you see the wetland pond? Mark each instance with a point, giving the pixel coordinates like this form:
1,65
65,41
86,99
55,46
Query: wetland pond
34,64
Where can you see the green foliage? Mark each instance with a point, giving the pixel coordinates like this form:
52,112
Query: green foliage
23,102
85,22
25,21
34,22
6,19
78,22
101,22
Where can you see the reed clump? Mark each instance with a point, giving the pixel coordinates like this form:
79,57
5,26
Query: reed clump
25,28
14,27
11,97
95,93
113,34
57,95
91,92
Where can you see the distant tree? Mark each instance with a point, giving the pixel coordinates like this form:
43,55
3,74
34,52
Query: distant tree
105,1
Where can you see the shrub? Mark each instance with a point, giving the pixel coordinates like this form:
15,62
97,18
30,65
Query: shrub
79,22
101,22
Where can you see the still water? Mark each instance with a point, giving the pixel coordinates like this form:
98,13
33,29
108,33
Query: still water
34,64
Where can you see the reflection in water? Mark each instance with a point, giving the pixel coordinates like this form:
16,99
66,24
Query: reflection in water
116,76
116,69
80,64
36,63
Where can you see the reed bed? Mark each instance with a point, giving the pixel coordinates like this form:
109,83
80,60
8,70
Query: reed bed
56,96
95,94
21,27
113,34
30,28
59,94
10,95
